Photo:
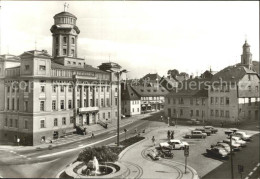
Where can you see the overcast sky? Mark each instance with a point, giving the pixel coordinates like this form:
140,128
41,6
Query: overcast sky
143,37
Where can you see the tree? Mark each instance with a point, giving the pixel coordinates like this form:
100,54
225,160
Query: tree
184,74
173,73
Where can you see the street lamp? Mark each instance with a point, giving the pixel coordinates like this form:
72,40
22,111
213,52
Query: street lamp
230,134
118,102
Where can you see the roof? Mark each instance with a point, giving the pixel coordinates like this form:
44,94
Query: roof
195,87
232,74
64,13
149,91
168,84
36,53
256,66
127,93
152,77
109,66
86,68
9,57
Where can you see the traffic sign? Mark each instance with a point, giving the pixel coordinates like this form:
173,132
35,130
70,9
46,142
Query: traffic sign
186,151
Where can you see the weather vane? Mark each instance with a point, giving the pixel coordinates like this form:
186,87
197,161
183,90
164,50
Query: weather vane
66,6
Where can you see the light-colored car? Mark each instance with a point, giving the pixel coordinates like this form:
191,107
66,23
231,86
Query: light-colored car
194,121
218,152
239,141
224,146
243,136
235,146
153,154
174,144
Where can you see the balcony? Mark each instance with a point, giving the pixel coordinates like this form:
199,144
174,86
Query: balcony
88,109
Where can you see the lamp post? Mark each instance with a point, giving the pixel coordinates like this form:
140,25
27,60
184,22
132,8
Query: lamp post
230,134
118,103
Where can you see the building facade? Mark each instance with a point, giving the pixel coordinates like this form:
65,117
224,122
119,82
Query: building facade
46,97
230,95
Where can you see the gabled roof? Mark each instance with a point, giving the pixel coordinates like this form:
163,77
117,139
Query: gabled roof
152,77
168,84
232,74
145,91
195,87
86,68
128,93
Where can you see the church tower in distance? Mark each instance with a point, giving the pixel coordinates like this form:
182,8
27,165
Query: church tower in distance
246,57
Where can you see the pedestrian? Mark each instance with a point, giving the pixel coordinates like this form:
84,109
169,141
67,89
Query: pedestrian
172,135
92,135
168,135
153,140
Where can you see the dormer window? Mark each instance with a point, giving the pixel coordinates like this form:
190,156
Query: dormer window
42,67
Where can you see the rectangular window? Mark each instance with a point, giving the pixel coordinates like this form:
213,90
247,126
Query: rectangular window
64,40
227,113
72,52
42,89
222,100
16,123
249,101
70,89
102,102
102,88
197,101
42,105
97,102
137,109
169,101
116,101
53,105
133,109
11,122
108,115
78,103
64,121
108,102
6,122
62,89
8,89
104,115
64,51
217,114
8,103
71,120
197,113
61,104
13,104
108,89
249,77
191,113
70,104
216,100
54,88
25,106
222,113
211,112
55,123
26,67
42,67
26,124
227,101
181,112
42,124
116,90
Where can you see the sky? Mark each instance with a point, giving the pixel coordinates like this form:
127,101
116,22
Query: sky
143,37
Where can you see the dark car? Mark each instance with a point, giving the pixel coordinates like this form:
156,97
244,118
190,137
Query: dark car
217,152
212,129
208,132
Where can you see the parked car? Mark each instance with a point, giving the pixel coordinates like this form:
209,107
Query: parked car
218,152
231,131
239,141
194,121
243,136
223,145
212,129
196,134
208,132
174,144
235,146
153,154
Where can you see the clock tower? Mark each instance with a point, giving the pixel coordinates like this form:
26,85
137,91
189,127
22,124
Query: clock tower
246,57
64,35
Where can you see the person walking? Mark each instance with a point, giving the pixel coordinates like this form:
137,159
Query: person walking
168,134
92,135
172,135
153,140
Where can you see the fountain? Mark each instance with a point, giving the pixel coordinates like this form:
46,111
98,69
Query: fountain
96,165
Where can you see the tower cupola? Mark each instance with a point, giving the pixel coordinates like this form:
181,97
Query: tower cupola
246,57
64,34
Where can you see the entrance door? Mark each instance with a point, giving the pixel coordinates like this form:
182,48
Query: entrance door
256,115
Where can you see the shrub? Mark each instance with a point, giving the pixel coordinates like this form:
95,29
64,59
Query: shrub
103,154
